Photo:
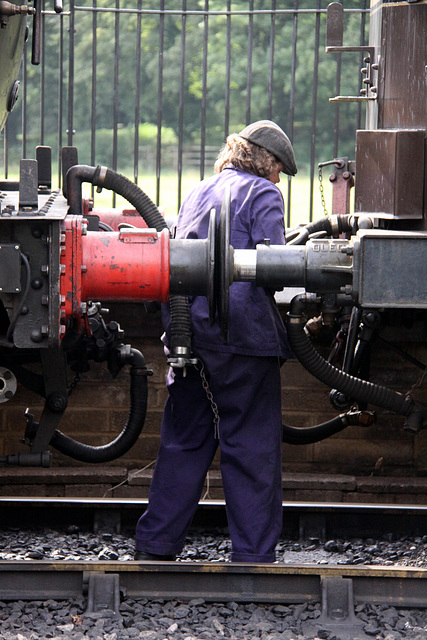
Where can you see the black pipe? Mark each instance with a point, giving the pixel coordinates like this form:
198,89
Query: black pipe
332,225
361,390
104,178
308,435
127,438
180,341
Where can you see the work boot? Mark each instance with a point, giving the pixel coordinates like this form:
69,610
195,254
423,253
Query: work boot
142,555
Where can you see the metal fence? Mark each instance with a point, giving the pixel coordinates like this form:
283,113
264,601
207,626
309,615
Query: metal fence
152,88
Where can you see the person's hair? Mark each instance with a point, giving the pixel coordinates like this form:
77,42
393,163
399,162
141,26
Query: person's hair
246,156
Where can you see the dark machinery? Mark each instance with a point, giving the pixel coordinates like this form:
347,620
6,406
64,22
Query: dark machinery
58,259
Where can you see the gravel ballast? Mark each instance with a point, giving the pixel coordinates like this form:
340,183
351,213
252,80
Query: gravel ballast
199,620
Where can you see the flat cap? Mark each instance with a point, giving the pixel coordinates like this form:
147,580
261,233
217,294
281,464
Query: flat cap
270,136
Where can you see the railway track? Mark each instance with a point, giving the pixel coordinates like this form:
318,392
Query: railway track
339,589
303,519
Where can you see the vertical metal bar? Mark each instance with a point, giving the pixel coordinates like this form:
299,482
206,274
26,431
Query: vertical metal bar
336,107
160,98
6,152
181,99
71,76
137,93
292,102
361,56
42,76
204,91
116,88
24,107
227,71
60,96
314,106
93,96
271,60
249,63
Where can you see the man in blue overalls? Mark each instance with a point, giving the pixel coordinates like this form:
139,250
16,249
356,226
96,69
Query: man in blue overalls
243,375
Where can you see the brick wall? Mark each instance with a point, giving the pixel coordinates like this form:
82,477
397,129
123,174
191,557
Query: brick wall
98,410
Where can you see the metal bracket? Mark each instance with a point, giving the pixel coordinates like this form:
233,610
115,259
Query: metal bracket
103,590
55,390
334,44
107,521
338,611
312,525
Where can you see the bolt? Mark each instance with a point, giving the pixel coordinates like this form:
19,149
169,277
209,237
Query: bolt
57,402
347,289
36,335
37,283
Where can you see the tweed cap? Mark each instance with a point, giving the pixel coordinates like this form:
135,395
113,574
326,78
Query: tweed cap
269,135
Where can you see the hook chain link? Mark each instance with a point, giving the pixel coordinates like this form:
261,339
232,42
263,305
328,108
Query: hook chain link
209,395
322,191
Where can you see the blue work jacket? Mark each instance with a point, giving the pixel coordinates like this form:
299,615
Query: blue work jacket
257,213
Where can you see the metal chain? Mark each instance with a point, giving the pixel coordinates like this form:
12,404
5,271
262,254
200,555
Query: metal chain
322,192
214,406
74,384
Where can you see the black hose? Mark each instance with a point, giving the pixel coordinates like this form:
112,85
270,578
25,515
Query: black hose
127,438
107,179
357,388
329,225
180,326
308,435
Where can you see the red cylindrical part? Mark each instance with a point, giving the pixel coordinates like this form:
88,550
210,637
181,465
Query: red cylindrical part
131,265
114,218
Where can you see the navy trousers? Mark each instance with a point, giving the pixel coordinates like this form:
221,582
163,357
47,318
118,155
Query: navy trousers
247,391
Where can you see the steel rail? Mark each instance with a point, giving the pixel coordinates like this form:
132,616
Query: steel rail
303,520
214,582
293,505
